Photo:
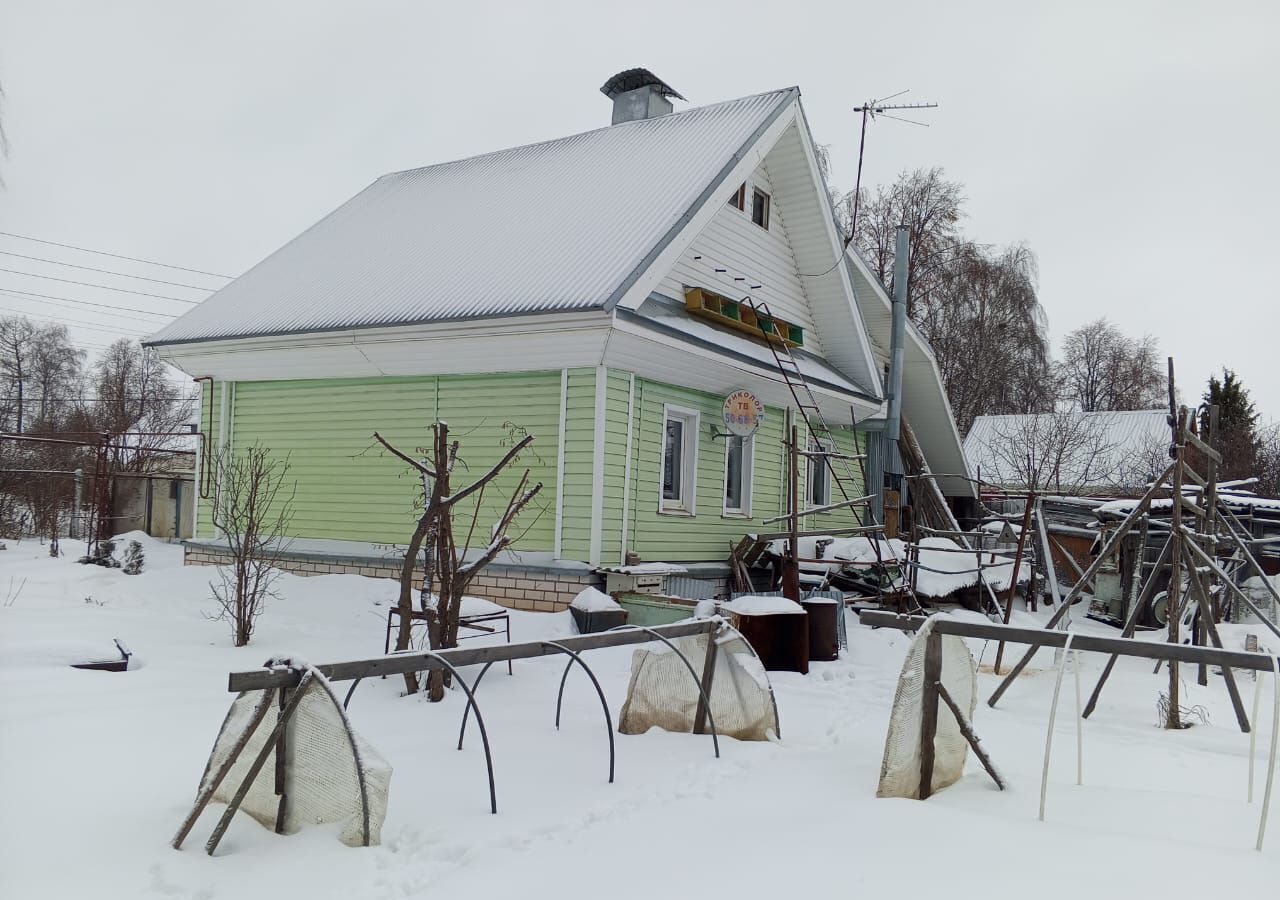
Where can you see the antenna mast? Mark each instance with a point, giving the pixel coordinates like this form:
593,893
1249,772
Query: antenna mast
870,110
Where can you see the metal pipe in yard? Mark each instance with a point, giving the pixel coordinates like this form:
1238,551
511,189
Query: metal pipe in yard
898,334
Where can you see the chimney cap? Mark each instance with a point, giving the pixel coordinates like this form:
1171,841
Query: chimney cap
631,79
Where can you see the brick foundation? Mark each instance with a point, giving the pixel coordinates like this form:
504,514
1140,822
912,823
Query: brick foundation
533,588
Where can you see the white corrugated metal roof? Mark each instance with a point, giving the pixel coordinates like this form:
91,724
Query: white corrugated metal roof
560,225
1114,450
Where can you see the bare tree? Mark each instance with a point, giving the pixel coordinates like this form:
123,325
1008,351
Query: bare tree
134,394
988,332
252,507
450,566
976,305
1066,453
1268,465
1102,368
931,207
17,347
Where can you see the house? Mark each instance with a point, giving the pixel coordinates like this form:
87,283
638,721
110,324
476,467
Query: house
586,290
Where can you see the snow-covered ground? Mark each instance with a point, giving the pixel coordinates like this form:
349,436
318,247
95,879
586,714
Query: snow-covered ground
98,769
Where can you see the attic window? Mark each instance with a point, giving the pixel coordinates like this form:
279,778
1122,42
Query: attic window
760,208
739,198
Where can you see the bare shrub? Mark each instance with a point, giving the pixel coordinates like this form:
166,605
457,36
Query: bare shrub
252,507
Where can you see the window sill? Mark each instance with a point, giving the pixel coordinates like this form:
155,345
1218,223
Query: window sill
674,511
735,514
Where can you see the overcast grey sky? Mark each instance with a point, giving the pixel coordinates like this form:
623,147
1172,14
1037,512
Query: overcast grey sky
1132,145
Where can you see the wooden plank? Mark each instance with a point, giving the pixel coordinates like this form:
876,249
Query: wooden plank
400,663
205,795
708,677
1207,623
1202,446
1131,623
971,736
1040,637
929,710
1139,509
267,749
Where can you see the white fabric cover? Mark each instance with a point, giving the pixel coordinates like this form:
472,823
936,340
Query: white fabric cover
662,693
324,763
900,768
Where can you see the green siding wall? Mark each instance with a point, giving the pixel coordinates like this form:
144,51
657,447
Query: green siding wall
579,434
348,488
709,534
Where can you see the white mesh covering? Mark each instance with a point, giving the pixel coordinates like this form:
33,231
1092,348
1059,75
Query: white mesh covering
900,769
331,774
662,693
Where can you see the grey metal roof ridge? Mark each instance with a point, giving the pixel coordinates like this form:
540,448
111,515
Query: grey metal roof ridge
567,137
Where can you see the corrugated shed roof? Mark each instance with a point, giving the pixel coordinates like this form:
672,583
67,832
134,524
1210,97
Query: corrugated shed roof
560,225
1126,443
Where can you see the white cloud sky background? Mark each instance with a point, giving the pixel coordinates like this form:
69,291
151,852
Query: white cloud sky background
1131,145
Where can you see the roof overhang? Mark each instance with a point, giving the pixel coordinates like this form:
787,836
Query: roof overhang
924,398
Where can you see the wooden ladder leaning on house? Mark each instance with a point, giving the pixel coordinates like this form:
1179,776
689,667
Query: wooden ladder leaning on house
825,451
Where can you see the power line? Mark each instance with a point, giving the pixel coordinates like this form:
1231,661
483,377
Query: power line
105,287
149,262
112,307
16,295
79,323
57,262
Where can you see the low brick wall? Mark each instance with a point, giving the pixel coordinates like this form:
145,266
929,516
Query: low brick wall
535,588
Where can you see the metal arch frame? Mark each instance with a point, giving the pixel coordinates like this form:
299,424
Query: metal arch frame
697,680
471,702
355,753
608,719
484,735
466,712
574,657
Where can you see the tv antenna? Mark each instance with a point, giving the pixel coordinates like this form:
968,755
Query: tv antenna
870,110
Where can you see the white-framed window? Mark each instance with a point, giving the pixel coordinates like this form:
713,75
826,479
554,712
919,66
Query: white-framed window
678,479
739,460
739,199
760,208
817,481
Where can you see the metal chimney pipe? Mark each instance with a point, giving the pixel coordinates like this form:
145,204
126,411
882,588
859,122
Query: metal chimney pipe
898,334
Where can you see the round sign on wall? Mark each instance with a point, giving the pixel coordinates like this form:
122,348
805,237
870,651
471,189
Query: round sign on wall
743,413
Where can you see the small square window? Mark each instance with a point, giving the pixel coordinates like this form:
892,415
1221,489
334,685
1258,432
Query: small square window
739,198
760,208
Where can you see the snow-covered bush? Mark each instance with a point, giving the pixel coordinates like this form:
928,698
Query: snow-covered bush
134,559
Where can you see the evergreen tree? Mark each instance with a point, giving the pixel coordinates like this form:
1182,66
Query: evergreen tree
1237,425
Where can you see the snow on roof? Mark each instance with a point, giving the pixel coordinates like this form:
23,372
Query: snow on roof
1236,500
561,225
1127,441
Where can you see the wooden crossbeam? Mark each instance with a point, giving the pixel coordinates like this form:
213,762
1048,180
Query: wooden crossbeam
401,663
1041,637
